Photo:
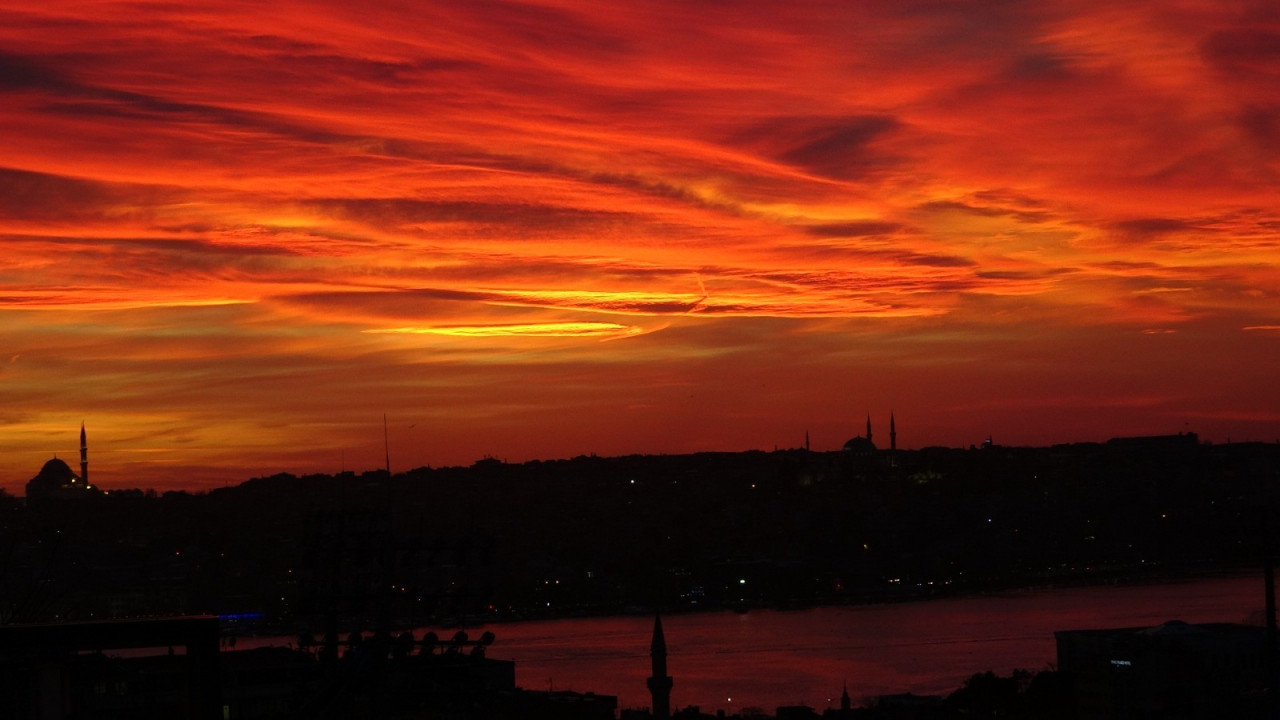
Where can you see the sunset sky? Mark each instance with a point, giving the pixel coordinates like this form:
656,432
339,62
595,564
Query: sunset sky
235,234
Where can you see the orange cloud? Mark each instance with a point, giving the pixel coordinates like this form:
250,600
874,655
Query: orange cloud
234,230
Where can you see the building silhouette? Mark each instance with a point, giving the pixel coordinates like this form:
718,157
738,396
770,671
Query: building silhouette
60,671
860,445
56,480
1172,670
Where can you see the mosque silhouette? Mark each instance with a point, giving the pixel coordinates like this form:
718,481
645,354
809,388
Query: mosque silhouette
56,480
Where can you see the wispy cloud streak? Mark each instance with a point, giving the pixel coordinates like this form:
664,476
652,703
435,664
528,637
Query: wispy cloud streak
423,205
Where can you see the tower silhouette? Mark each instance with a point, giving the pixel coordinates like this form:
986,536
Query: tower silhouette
84,456
659,681
868,427
893,434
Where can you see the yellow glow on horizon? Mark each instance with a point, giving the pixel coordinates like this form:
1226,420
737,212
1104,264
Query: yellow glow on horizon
560,329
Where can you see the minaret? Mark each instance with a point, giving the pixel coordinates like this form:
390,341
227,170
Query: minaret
659,681
84,456
893,434
868,427
806,441
845,702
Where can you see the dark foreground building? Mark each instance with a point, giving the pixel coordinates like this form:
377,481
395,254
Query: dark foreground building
1174,670
172,669
52,672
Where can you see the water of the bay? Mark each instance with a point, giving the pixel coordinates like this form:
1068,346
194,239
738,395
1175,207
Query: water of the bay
768,658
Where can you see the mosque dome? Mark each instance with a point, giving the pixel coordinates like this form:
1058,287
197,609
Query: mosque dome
56,472
56,478
860,445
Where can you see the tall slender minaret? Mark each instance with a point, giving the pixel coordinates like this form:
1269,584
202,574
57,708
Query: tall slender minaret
868,427
893,434
659,681
84,456
845,702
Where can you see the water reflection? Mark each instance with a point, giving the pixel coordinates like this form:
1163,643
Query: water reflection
769,658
